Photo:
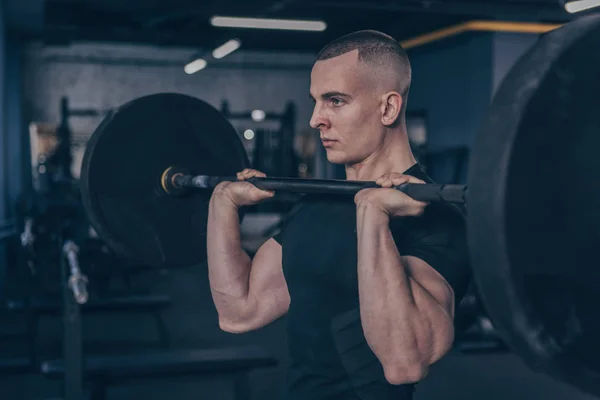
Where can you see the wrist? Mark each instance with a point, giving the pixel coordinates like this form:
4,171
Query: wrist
222,198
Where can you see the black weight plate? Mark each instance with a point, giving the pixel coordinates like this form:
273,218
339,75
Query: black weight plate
122,166
534,196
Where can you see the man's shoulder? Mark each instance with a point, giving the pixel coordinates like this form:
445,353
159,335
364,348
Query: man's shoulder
438,218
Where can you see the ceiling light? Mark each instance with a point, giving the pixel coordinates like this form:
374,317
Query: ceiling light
265,23
226,48
249,134
258,115
580,5
194,66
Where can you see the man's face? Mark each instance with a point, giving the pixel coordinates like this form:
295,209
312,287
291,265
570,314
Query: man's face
347,109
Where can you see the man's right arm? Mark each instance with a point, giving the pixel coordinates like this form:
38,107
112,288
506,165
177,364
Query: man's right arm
248,293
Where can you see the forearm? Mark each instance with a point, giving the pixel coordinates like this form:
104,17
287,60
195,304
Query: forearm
399,317
228,264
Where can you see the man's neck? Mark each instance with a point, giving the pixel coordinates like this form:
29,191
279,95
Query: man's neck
394,156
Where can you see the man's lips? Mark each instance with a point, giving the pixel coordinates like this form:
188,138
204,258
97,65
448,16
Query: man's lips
327,142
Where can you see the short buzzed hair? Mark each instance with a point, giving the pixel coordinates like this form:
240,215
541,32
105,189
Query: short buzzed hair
375,48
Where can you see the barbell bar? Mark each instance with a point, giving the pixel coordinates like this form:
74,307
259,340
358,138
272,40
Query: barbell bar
175,181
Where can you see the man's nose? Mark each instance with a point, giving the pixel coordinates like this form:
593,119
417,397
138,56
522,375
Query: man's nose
317,120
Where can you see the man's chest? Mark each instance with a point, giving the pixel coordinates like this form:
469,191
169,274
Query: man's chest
320,245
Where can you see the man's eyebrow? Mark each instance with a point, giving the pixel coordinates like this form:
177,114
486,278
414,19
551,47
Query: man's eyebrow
329,95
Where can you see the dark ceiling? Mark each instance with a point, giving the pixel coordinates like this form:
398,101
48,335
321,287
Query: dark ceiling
186,22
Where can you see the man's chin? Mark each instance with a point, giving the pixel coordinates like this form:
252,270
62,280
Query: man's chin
338,157
335,159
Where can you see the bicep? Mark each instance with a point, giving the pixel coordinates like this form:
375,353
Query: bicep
267,285
429,284
434,298
439,241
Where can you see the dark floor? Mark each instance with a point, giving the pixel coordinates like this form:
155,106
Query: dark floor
497,377
192,324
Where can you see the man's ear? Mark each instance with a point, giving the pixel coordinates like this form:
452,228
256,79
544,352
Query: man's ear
391,107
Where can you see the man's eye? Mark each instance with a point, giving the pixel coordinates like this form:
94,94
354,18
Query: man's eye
336,102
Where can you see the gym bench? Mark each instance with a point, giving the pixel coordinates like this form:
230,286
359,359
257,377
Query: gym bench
105,371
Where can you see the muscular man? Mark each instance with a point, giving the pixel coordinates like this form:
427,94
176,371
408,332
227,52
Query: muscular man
369,283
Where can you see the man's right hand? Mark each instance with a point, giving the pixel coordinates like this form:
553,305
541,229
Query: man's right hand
244,193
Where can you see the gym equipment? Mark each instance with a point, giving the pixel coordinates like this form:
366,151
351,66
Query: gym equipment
77,281
534,220
234,363
279,148
269,148
60,160
127,207
19,365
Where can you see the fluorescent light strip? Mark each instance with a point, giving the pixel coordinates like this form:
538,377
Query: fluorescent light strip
226,48
580,5
264,23
194,66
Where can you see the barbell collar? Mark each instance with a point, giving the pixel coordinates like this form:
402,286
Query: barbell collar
417,191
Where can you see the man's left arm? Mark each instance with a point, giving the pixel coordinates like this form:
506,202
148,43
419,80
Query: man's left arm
406,306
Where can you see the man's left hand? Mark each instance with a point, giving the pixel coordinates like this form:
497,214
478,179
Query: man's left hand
392,201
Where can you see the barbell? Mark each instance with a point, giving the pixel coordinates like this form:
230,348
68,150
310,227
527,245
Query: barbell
533,195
